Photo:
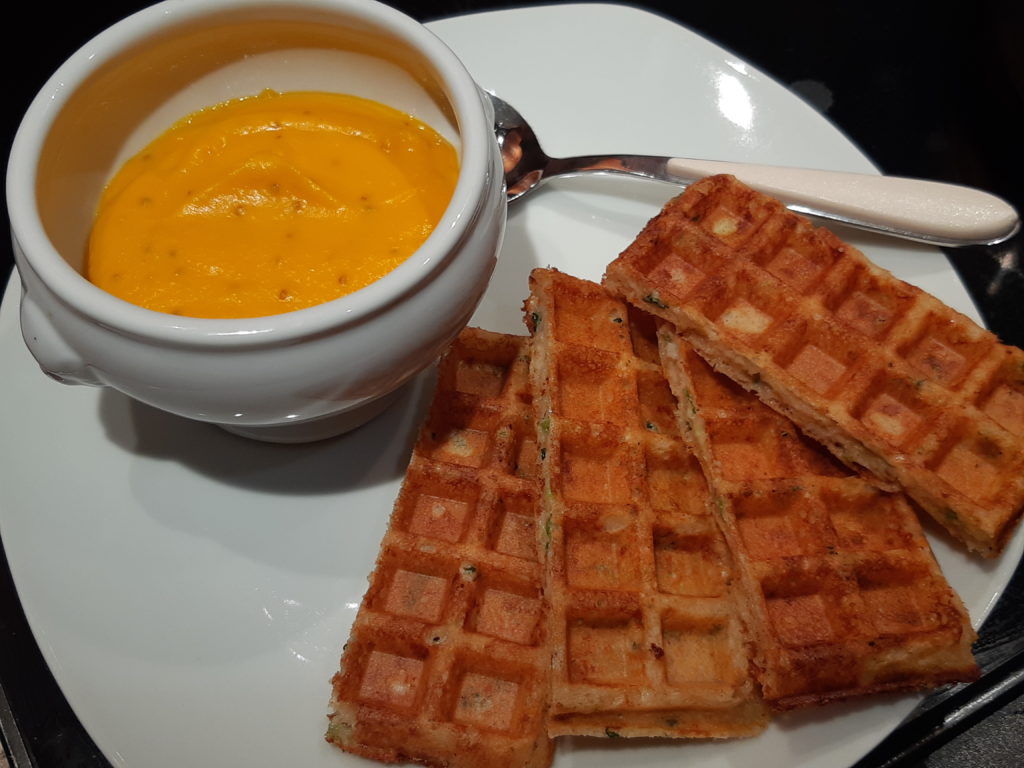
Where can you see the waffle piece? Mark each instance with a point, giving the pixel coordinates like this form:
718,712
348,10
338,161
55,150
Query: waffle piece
885,375
643,627
842,593
447,662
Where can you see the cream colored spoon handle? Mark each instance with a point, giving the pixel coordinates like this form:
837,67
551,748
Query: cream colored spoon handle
915,209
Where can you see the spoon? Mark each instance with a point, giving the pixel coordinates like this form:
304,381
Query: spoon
912,209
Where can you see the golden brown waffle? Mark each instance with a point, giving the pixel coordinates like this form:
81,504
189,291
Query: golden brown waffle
447,663
842,593
642,617
885,375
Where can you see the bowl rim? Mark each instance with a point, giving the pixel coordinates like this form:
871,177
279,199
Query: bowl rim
74,290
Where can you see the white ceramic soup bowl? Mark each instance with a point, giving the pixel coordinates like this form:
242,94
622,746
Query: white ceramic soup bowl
296,376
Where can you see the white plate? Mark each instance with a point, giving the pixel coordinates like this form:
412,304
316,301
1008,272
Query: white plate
191,591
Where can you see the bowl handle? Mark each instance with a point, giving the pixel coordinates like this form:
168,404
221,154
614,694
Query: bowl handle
56,358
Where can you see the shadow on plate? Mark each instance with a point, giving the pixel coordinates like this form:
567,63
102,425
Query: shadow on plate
501,309
375,453
604,194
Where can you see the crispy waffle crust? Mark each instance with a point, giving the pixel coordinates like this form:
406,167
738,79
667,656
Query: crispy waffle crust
447,663
643,620
841,590
883,374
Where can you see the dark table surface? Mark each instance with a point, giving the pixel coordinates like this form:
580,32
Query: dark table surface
922,89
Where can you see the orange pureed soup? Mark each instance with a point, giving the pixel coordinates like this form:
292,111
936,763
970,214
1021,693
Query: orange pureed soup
269,204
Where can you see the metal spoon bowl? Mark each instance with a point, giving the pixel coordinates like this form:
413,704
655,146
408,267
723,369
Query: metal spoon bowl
912,209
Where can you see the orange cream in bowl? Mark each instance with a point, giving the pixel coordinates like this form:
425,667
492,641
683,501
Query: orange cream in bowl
261,215
269,204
